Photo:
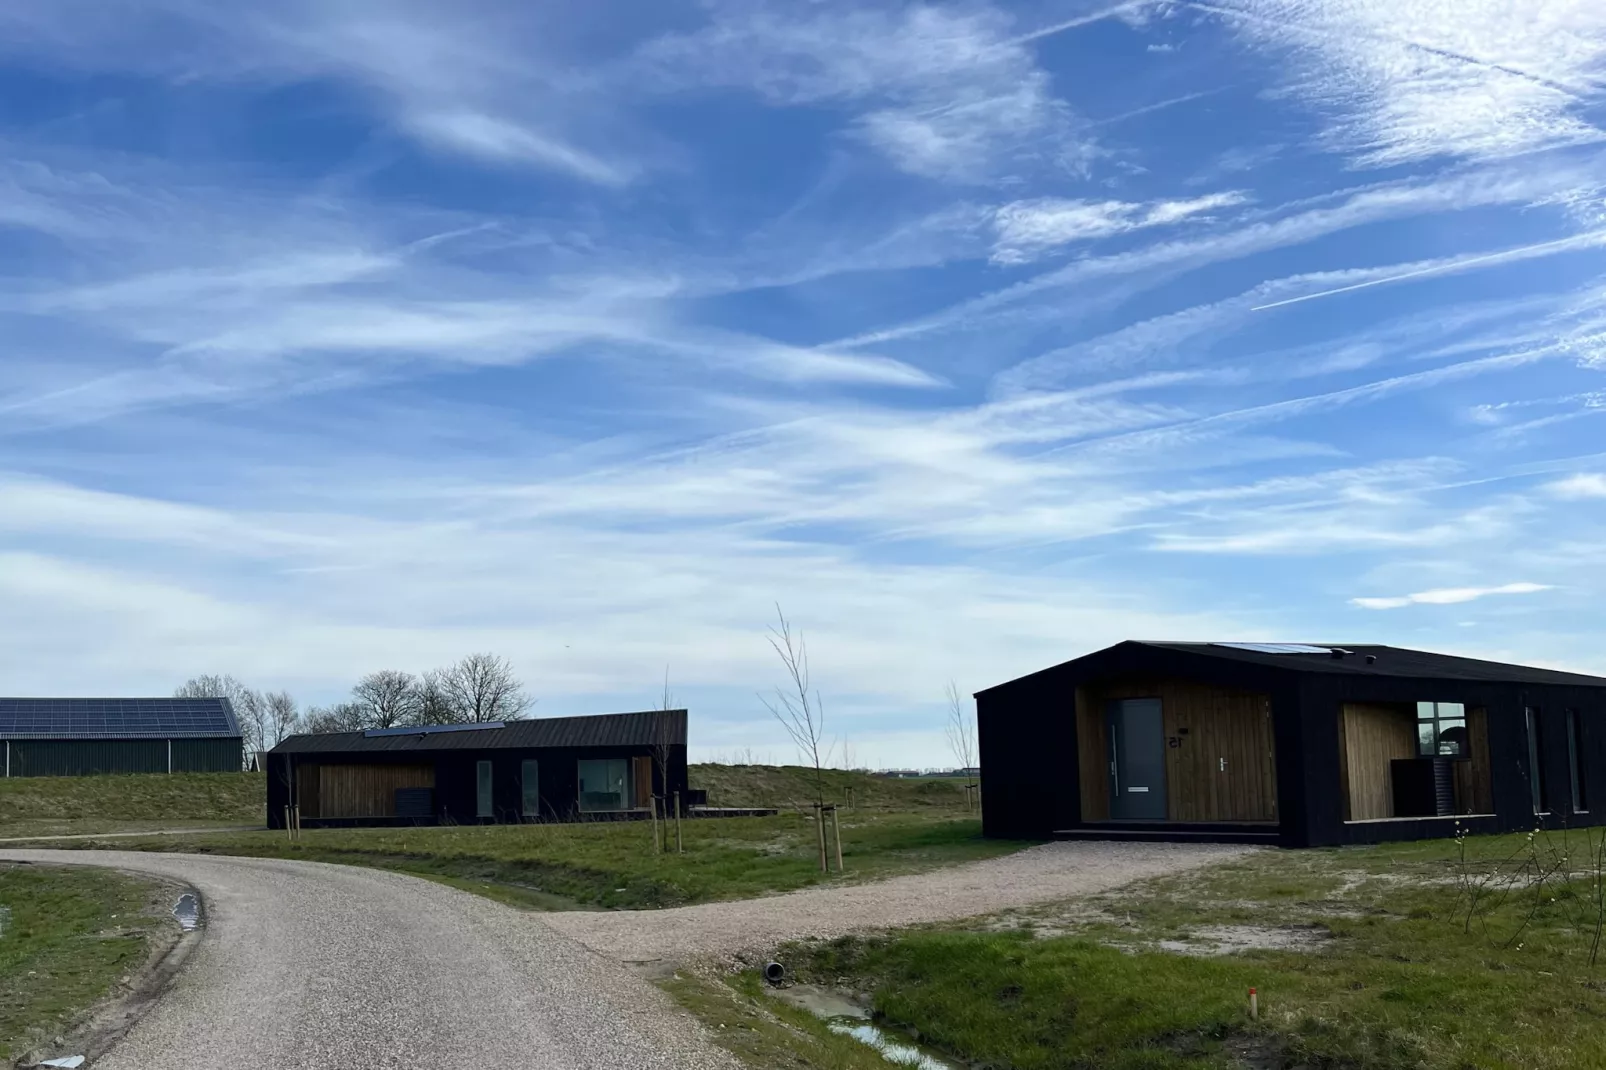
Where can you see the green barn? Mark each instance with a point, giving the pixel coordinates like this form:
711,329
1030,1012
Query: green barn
88,736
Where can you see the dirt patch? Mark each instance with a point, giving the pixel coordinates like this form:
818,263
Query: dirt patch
1210,940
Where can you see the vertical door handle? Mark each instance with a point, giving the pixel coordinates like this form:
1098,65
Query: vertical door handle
1223,762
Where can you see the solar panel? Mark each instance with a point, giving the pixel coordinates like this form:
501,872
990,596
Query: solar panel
101,718
1277,648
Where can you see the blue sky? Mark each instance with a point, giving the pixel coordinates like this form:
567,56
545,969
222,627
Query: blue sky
337,336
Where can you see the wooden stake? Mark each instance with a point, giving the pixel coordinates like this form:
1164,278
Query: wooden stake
836,828
680,846
819,824
657,847
289,832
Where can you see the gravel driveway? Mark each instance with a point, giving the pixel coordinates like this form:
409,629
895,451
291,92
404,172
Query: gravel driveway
1036,875
310,965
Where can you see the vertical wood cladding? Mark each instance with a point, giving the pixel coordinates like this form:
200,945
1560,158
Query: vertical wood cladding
1374,734
363,790
1219,756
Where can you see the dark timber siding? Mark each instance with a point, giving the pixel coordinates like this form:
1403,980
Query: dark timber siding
1040,778
88,757
455,798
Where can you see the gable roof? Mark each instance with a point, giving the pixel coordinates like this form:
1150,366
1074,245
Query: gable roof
117,718
595,730
1388,661
1362,659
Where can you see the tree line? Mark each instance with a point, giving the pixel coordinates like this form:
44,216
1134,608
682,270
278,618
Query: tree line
474,690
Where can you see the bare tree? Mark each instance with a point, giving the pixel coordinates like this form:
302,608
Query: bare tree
480,688
388,698
341,717
247,704
800,713
432,705
660,744
962,738
279,718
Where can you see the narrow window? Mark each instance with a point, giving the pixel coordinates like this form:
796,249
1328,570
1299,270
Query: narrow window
1536,767
1575,764
530,776
483,784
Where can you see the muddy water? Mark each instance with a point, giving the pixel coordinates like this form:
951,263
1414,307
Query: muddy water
845,1014
188,911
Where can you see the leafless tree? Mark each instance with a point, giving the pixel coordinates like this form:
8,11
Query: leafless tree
432,705
799,712
279,718
661,744
247,704
388,698
480,688
341,717
962,738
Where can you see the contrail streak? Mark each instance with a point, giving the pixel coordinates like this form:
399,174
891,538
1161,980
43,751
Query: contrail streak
1576,239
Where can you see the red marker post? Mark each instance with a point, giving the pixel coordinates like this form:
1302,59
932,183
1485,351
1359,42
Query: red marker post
1254,1006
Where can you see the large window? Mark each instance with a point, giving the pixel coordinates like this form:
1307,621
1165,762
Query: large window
605,784
482,784
1575,763
530,783
1441,729
1536,763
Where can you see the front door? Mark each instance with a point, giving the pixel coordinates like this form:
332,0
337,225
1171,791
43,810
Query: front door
1137,760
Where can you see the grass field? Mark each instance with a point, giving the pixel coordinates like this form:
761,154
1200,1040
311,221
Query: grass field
1364,959
896,826
67,935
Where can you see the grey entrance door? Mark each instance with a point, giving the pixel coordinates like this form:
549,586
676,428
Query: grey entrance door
1137,760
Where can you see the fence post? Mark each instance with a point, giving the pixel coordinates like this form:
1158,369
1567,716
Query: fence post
836,828
680,846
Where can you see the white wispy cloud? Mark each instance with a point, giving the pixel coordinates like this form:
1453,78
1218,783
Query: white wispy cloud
473,82
1027,229
1447,596
943,92
1402,82
1582,485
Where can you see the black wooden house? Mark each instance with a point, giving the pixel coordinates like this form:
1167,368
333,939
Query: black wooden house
547,769
1289,743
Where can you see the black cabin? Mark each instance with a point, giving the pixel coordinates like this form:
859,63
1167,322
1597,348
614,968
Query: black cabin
1289,743
547,769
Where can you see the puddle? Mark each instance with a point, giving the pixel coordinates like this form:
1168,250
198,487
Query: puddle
188,912
845,1015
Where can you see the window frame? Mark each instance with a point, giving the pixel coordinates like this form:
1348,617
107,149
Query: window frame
1437,716
1537,788
1575,764
529,791
484,789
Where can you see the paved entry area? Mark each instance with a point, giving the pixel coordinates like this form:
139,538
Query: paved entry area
1036,875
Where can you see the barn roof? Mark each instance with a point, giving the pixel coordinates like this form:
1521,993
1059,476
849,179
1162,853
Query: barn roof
1356,659
597,730
117,718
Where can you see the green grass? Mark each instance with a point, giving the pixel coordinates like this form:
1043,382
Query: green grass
611,864
56,806
70,935
1400,985
895,827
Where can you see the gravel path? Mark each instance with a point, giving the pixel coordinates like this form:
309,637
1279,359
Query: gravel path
1036,875
311,965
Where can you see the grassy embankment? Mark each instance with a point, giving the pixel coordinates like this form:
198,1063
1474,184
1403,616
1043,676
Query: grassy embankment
67,936
895,827
63,806
1390,968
